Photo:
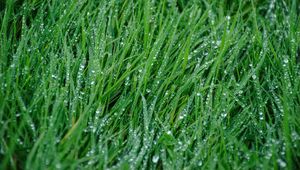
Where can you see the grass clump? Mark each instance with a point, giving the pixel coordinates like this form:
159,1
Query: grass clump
150,84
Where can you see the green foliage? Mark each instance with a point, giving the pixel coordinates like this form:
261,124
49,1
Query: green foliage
139,84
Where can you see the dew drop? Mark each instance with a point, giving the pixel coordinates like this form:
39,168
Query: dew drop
281,163
224,114
155,158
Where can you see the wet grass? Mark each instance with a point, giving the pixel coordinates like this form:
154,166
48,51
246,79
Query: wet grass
149,84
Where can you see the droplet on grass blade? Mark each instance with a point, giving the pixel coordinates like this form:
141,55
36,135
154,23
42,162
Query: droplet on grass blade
228,17
224,114
261,116
155,158
281,163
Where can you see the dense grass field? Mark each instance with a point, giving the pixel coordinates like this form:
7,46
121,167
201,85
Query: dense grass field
158,84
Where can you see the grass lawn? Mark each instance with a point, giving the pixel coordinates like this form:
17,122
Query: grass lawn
149,84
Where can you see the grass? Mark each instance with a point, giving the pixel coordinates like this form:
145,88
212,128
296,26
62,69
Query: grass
139,84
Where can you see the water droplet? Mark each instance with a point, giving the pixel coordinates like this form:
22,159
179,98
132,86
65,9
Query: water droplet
261,116
281,163
228,18
224,114
53,76
155,158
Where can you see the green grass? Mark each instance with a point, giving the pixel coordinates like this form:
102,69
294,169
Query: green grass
137,84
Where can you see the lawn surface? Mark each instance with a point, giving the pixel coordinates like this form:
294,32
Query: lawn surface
138,84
